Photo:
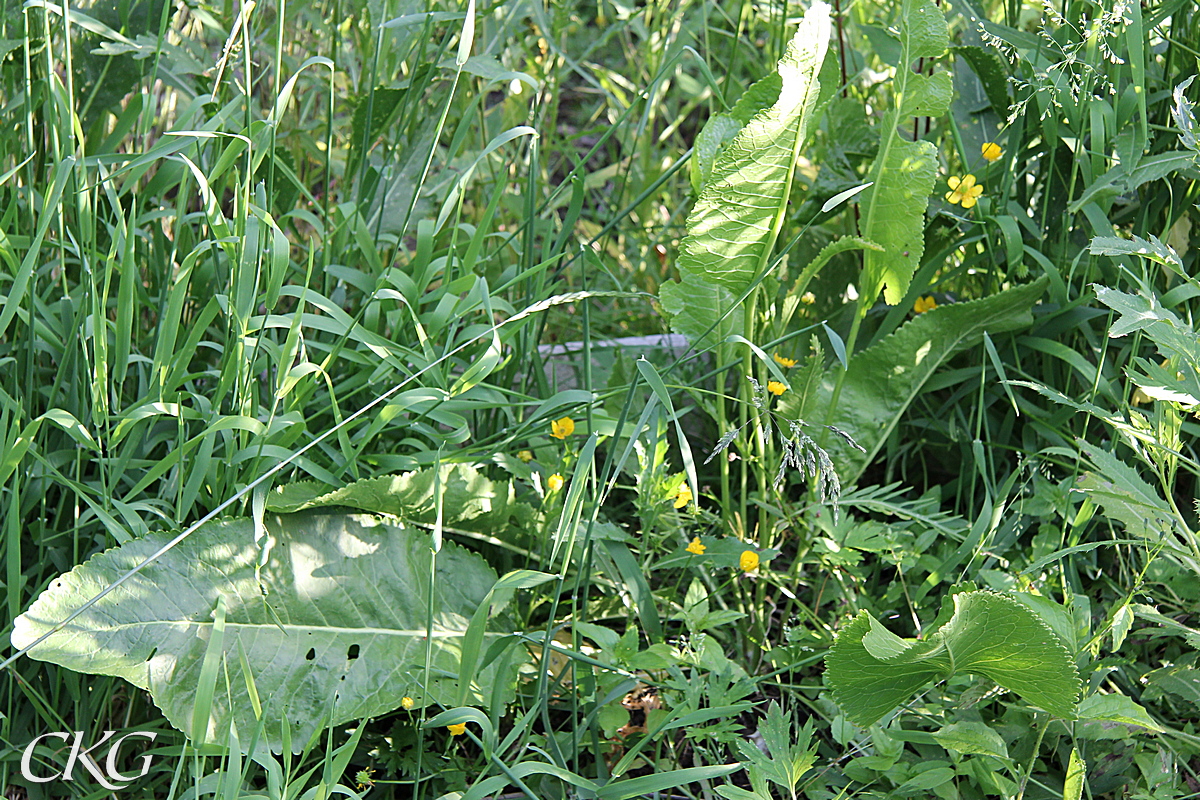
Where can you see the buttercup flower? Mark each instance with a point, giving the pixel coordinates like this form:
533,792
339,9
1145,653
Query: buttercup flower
406,703
784,362
924,304
748,561
695,548
554,482
991,151
776,388
457,730
963,190
525,456
562,428
363,778
808,298
683,496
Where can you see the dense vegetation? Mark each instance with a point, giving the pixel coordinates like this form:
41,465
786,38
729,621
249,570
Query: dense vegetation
318,460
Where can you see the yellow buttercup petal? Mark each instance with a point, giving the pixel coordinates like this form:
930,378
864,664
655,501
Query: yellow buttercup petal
683,496
562,428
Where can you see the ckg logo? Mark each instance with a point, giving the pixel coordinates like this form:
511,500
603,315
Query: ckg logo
83,757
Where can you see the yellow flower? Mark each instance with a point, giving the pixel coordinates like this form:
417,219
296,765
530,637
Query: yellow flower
695,548
683,496
457,730
924,304
963,190
784,362
554,482
363,778
525,456
991,151
748,561
808,298
776,388
406,703
562,428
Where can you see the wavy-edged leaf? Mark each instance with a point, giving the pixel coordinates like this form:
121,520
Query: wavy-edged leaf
736,220
988,634
469,500
883,379
893,209
334,625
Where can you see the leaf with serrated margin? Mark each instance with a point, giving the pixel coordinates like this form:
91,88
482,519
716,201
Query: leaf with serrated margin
989,635
736,221
893,209
882,380
1123,495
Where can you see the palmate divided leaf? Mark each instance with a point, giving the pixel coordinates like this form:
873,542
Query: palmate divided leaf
334,625
737,218
871,671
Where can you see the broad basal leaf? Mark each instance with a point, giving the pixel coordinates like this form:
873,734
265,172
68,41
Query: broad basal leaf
336,625
736,220
893,209
988,634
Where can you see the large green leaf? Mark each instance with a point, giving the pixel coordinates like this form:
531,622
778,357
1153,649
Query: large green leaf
736,220
469,499
334,623
893,209
882,380
871,671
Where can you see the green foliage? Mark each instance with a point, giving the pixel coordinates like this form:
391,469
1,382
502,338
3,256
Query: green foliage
368,253
902,176
871,670
782,761
341,621
881,381
738,215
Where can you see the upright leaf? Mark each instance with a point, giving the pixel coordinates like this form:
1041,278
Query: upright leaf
737,218
893,209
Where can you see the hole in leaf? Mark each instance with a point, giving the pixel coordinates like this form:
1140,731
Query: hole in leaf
352,653
310,655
